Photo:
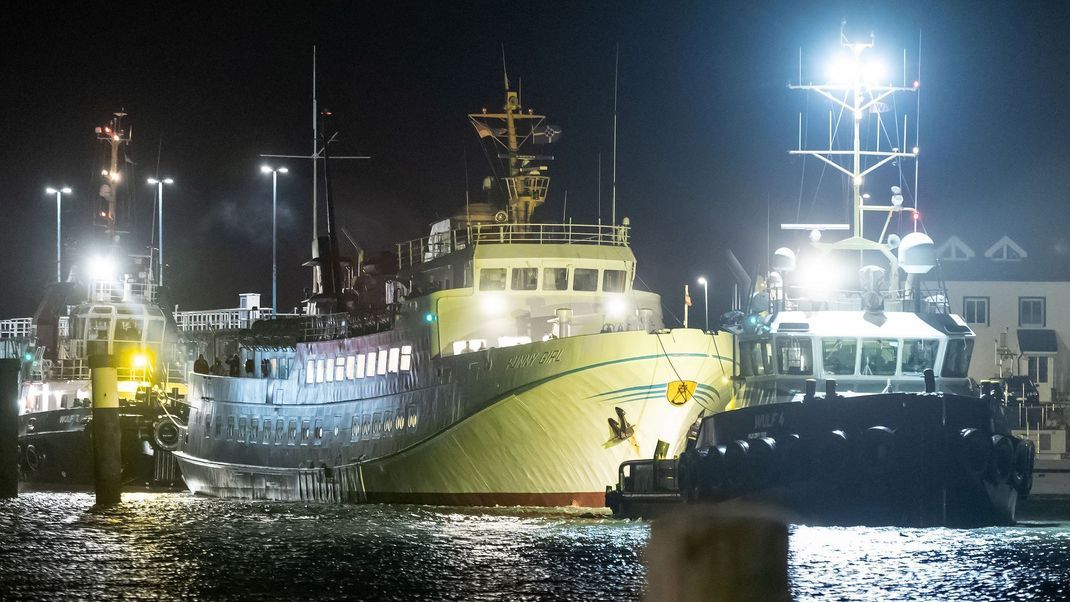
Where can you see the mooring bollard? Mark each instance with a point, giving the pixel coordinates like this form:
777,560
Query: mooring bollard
9,428
709,553
107,439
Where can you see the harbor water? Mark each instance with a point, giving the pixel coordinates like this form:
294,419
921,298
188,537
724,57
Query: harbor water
168,546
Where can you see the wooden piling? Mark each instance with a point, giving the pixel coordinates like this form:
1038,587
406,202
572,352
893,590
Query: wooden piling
715,553
9,427
107,438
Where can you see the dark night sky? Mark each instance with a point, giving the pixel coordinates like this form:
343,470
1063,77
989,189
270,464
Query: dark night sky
705,122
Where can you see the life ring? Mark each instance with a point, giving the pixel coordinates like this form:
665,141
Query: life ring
166,435
33,458
1001,467
877,452
736,477
974,450
761,462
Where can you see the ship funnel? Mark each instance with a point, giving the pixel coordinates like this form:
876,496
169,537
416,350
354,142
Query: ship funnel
917,253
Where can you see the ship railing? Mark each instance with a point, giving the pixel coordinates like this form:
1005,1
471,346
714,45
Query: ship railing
439,244
79,370
122,291
16,328
325,327
222,319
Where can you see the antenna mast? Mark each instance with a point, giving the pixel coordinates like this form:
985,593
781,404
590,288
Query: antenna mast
115,136
616,67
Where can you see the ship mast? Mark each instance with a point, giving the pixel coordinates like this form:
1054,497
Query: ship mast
115,136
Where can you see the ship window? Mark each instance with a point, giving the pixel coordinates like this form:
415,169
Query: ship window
613,281
492,279
371,364
317,432
292,431
382,362
395,359
267,430
584,279
337,425
957,358
328,370
919,355
310,372
366,425
555,279
127,330
218,426
879,357
351,363
388,422
207,425
243,428
340,368
761,357
838,355
525,279
230,427
280,428
354,429
746,359
306,431
377,424
414,417
795,355
406,358
254,430
319,371
360,367
399,420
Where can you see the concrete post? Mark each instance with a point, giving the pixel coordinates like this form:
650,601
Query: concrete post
9,428
711,553
107,438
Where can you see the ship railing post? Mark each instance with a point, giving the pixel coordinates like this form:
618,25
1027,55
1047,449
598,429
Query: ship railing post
107,438
9,428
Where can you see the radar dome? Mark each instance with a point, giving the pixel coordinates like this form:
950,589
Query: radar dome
783,260
917,253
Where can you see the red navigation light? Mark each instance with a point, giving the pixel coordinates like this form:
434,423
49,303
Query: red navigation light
917,215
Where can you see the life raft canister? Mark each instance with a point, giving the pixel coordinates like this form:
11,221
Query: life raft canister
1001,467
974,449
165,434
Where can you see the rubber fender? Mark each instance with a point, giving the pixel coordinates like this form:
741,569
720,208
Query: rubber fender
789,458
1021,464
33,458
1026,452
166,435
877,451
761,462
974,450
830,459
686,475
709,473
736,476
1001,465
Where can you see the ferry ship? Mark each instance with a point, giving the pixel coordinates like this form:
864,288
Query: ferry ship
110,305
897,433
501,361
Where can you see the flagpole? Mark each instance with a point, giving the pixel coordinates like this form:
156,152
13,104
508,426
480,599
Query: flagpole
687,303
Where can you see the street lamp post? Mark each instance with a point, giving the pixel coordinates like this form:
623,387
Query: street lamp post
274,234
59,192
159,195
706,299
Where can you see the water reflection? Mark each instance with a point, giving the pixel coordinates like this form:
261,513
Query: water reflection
175,546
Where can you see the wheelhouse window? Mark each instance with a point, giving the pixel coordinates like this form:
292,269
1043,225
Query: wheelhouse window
1031,311
919,355
756,358
957,358
879,357
795,355
613,281
838,355
555,279
525,279
492,279
975,310
584,279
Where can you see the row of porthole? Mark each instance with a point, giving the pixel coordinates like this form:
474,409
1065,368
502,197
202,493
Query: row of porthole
248,429
372,426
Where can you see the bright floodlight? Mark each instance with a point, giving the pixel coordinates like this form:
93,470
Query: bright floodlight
616,307
168,181
153,181
65,190
284,170
101,268
140,361
265,169
702,280
50,190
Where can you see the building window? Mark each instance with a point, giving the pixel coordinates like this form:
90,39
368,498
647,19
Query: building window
584,279
406,358
1031,311
492,279
1038,369
555,279
975,310
395,359
954,249
1006,249
613,281
525,279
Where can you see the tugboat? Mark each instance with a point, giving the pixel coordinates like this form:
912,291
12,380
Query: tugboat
497,361
898,435
110,305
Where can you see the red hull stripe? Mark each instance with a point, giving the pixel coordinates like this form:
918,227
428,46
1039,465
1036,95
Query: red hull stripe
586,499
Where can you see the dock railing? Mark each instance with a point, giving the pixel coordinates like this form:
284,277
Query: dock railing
439,244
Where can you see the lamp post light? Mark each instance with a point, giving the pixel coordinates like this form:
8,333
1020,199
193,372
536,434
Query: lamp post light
705,299
159,195
274,234
59,192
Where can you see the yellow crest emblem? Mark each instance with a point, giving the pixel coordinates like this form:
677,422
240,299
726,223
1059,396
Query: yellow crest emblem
679,392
